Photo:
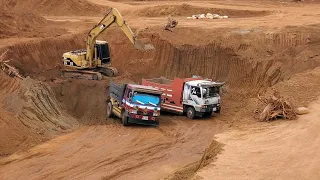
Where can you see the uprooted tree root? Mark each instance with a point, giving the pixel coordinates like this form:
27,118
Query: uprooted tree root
10,70
275,106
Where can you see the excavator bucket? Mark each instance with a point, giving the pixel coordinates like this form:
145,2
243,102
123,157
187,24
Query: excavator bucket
143,44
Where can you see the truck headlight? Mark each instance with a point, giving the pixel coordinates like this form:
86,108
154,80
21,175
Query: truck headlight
155,114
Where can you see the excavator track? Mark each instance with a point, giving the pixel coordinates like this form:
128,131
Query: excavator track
96,74
108,71
81,74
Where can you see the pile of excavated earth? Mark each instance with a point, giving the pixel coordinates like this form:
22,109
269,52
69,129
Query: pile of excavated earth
57,128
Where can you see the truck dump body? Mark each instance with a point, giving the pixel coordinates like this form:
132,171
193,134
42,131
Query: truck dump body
195,97
173,91
134,103
117,91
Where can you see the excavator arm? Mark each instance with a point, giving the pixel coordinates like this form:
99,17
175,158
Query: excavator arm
113,16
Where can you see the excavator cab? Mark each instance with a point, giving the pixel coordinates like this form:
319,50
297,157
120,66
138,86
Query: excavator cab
103,52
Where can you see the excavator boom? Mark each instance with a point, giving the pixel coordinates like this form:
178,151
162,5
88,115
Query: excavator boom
94,62
113,16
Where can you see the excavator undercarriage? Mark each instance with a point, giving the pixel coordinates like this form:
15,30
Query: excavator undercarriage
95,74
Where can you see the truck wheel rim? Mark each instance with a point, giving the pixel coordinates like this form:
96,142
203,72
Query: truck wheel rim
189,113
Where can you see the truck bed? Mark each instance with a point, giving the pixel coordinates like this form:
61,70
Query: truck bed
161,80
116,91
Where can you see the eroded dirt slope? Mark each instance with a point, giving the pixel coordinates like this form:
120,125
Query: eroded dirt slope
29,107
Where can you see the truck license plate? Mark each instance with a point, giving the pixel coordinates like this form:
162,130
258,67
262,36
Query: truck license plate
145,118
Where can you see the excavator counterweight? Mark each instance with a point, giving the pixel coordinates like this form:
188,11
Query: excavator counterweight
94,62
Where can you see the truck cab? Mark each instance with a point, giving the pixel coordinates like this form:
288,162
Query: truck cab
134,104
203,96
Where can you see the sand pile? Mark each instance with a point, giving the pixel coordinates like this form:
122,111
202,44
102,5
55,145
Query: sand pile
54,7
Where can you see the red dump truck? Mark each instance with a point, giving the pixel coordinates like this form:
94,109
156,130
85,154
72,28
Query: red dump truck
195,97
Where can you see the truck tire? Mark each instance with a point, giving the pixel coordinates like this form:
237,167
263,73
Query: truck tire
191,113
124,119
109,110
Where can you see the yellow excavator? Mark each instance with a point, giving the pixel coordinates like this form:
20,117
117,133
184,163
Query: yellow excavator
94,62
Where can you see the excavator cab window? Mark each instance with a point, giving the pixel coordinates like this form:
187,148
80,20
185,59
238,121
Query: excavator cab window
103,53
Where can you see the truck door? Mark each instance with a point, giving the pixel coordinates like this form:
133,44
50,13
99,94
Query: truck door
192,95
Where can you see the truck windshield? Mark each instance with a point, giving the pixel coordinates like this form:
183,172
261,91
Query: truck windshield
146,99
209,92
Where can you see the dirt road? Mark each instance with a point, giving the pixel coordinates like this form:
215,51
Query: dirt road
115,152
280,150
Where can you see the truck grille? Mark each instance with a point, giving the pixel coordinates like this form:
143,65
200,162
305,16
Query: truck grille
148,114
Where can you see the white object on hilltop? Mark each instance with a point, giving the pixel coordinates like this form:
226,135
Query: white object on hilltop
202,16
207,16
216,16
302,110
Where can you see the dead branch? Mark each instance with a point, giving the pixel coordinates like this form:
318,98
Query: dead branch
274,106
8,69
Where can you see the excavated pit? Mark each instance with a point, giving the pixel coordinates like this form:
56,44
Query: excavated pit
249,63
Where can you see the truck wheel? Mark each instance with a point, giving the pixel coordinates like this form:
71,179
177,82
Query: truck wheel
191,113
109,110
124,119
218,111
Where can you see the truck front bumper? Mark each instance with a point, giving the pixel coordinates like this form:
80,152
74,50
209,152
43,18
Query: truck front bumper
145,120
211,108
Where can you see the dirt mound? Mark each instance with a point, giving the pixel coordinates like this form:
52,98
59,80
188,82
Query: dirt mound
26,25
34,104
30,114
54,7
188,10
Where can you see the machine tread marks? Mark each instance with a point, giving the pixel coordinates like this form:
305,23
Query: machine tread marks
191,113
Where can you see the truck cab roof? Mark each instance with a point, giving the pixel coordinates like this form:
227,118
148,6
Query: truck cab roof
204,83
